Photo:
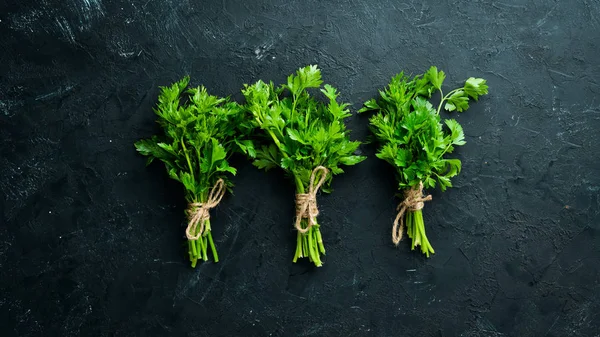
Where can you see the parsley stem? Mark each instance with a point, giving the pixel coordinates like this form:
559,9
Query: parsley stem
275,140
187,157
315,240
311,249
320,241
204,247
409,224
198,157
213,248
304,245
299,185
193,258
444,98
293,107
298,247
200,248
200,243
443,153
315,249
416,226
309,245
193,247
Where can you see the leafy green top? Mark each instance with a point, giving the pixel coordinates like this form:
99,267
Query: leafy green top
300,132
409,128
199,136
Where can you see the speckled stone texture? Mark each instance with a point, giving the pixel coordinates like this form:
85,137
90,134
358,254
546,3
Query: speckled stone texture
91,241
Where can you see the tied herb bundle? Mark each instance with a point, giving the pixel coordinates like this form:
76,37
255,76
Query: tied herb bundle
306,138
415,142
199,136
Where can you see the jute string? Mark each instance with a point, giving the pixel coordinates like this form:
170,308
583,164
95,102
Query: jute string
306,203
414,200
198,212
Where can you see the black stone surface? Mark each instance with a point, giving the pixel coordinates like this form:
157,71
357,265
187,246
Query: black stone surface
91,242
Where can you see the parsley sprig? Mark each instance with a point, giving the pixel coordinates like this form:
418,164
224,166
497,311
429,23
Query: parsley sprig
414,140
300,134
199,137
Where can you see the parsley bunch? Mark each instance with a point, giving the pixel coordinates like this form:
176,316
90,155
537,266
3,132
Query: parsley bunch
199,136
414,141
303,136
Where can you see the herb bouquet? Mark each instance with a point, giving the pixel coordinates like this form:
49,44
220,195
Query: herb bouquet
199,136
306,138
414,141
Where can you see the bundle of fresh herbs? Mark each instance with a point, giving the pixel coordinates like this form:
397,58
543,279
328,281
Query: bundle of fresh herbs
199,136
415,142
305,137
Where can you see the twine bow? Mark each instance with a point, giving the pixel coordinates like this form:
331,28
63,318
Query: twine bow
198,212
306,203
414,200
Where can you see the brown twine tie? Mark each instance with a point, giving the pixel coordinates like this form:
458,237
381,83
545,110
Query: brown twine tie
414,200
198,212
306,203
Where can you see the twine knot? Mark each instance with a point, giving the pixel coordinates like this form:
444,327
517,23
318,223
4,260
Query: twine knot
198,212
414,200
306,203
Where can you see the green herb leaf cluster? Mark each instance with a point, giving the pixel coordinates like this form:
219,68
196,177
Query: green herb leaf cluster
410,131
200,135
412,136
300,133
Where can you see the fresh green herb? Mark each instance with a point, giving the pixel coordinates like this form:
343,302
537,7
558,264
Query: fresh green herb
306,138
199,136
415,142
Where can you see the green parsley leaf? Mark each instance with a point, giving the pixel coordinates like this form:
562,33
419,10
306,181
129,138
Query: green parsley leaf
458,101
351,160
435,78
152,149
247,147
457,136
295,135
370,105
476,87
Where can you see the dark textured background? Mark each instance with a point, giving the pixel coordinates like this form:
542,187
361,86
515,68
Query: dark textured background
91,242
